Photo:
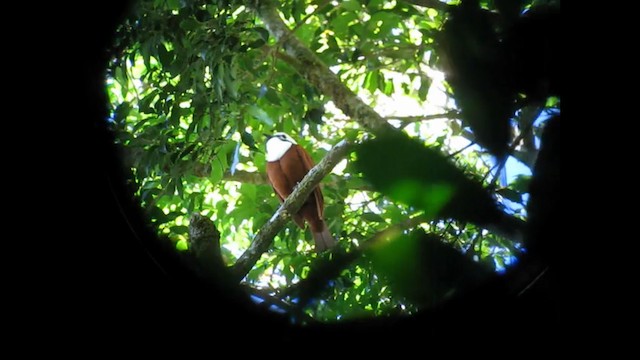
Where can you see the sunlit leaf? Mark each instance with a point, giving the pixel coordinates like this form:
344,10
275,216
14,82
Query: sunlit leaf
182,245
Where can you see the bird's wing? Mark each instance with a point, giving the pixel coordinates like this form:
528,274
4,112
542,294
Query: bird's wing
269,166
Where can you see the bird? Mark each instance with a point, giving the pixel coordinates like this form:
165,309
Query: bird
287,164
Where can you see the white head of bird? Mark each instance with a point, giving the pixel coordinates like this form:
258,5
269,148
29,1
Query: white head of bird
277,146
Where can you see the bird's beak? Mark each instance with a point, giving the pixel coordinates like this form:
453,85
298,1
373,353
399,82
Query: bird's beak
268,136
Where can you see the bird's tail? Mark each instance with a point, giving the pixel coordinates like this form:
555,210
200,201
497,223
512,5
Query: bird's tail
324,240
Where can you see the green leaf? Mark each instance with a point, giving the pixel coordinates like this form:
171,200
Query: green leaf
224,151
510,194
425,85
409,172
389,88
351,5
173,4
375,4
272,96
182,245
174,119
192,127
121,77
340,24
249,192
144,106
521,183
180,229
145,51
248,140
384,21
373,217
264,33
121,112
180,187
190,24
164,56
430,270
221,207
371,81
260,114
217,171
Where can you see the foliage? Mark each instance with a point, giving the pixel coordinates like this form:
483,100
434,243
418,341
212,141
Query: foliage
195,85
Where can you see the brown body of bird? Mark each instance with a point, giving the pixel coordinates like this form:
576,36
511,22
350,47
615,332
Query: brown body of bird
287,164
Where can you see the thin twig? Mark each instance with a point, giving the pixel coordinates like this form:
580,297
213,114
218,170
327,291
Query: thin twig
453,114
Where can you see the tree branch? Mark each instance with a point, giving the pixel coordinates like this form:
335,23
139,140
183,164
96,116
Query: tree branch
453,114
204,246
318,74
291,205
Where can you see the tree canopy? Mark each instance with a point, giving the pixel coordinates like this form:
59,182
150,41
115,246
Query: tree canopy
412,109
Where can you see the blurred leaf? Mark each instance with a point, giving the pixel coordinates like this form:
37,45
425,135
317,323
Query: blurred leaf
122,110
182,245
180,229
179,187
384,21
407,171
173,4
144,105
477,75
352,5
264,33
340,24
260,114
521,183
217,171
190,24
164,56
314,115
431,271
510,194
373,217
272,96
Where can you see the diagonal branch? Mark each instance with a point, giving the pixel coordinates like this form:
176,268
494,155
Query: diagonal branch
453,114
291,205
